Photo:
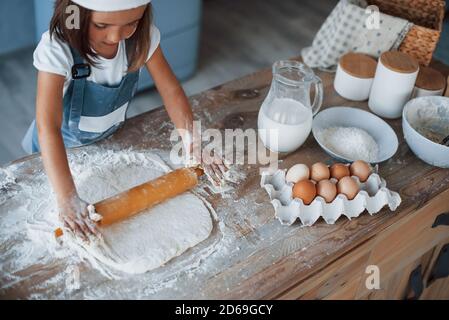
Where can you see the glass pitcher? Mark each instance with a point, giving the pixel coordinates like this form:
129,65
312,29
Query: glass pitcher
285,117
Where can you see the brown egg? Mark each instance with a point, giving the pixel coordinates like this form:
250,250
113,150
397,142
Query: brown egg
348,187
319,171
339,170
327,190
360,169
304,190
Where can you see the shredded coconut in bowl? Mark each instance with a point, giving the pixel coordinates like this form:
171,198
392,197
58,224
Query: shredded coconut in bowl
350,143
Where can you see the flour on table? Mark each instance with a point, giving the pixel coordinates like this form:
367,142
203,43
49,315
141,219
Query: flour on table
34,266
147,240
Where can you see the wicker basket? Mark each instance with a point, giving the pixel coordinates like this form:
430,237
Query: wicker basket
427,15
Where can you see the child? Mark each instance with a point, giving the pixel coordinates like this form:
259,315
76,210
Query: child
87,76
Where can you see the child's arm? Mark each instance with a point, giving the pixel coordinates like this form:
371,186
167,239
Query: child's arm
178,107
172,93
49,110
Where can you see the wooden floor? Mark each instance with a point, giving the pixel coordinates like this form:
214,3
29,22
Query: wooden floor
238,37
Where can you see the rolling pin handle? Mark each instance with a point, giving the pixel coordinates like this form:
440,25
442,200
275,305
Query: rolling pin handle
58,233
199,171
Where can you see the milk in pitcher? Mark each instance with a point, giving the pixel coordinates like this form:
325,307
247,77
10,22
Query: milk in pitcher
285,117
290,119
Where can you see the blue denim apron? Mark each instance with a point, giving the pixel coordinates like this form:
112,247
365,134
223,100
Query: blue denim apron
91,111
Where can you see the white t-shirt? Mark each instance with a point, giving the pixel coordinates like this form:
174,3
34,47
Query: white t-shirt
54,56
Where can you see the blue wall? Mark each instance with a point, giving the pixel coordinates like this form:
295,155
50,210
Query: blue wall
442,52
17,25
44,12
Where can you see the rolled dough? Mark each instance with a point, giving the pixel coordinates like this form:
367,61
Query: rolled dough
153,237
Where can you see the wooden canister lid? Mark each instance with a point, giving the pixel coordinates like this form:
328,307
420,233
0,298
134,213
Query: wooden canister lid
359,65
430,79
399,62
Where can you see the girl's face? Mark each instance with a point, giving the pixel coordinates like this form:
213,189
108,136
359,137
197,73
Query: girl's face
107,29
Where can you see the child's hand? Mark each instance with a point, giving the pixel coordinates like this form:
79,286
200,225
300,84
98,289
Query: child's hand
212,163
214,168
73,213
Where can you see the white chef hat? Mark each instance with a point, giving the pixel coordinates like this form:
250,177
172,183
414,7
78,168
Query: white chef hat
111,5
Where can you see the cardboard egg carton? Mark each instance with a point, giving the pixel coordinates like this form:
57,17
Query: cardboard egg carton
373,196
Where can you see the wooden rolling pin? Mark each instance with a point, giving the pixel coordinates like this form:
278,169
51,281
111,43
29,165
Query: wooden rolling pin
144,196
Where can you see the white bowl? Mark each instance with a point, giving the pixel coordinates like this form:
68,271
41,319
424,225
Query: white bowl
425,114
381,131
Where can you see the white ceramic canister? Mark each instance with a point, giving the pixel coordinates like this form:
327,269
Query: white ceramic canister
355,75
393,84
429,82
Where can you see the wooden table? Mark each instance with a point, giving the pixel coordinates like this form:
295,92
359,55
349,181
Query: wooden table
267,260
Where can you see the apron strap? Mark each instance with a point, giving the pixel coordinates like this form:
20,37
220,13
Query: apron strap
76,104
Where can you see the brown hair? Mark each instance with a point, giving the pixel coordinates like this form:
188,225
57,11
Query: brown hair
137,46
